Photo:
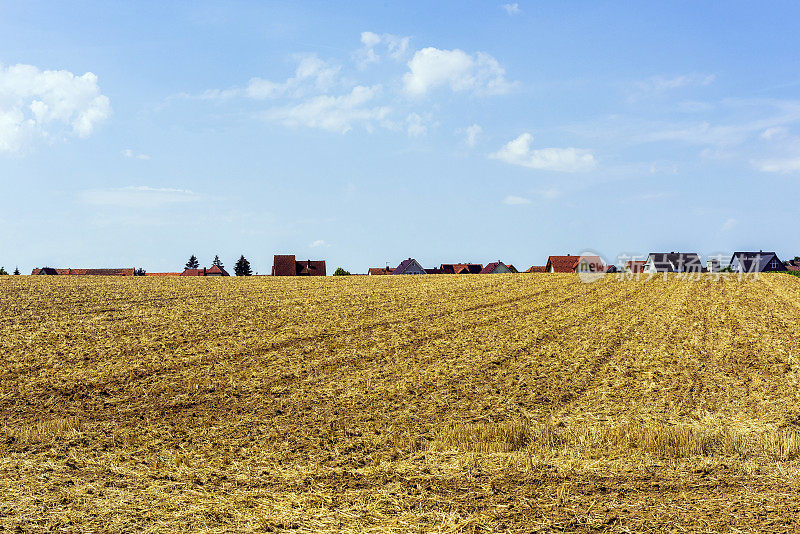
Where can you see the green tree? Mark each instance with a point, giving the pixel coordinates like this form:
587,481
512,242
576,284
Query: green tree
139,272
16,271
193,263
217,262
242,267
3,271
341,272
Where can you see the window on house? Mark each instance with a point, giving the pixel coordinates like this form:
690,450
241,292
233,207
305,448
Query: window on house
773,265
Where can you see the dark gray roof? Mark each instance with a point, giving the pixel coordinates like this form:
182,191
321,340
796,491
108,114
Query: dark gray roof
682,261
757,261
403,265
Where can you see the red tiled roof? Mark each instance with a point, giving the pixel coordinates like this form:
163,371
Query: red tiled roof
217,270
490,267
162,274
635,266
380,270
461,268
537,269
285,265
561,264
84,272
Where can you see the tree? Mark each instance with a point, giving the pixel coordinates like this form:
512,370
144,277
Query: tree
341,272
217,262
242,267
3,271
193,263
16,271
139,272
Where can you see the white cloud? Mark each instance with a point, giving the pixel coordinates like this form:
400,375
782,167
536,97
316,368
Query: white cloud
37,104
512,9
395,47
416,125
775,132
431,68
519,152
658,85
513,200
137,196
319,243
312,75
472,132
729,224
332,113
128,153
778,165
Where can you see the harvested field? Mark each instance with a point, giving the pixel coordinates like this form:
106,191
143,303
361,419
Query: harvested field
516,403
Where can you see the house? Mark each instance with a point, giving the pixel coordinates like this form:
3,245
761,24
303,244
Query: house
83,272
512,268
571,264
286,265
461,268
756,262
496,267
673,262
409,266
214,270
792,265
537,269
434,270
634,266
374,271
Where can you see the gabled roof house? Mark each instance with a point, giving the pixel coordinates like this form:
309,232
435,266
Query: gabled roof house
536,269
461,268
572,264
374,271
756,262
409,266
286,265
214,270
496,267
84,272
673,262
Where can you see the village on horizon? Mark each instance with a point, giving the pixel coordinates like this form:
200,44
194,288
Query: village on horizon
655,262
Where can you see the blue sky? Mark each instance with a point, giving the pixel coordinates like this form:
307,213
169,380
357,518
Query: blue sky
137,134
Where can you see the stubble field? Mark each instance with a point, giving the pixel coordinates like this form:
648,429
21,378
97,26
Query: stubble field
399,404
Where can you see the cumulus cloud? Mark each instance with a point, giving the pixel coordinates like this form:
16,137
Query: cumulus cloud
729,224
318,244
312,75
332,113
512,9
431,68
137,196
36,104
519,152
376,46
513,200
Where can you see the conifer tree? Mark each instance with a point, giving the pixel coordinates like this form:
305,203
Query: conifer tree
16,271
218,262
193,263
242,267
